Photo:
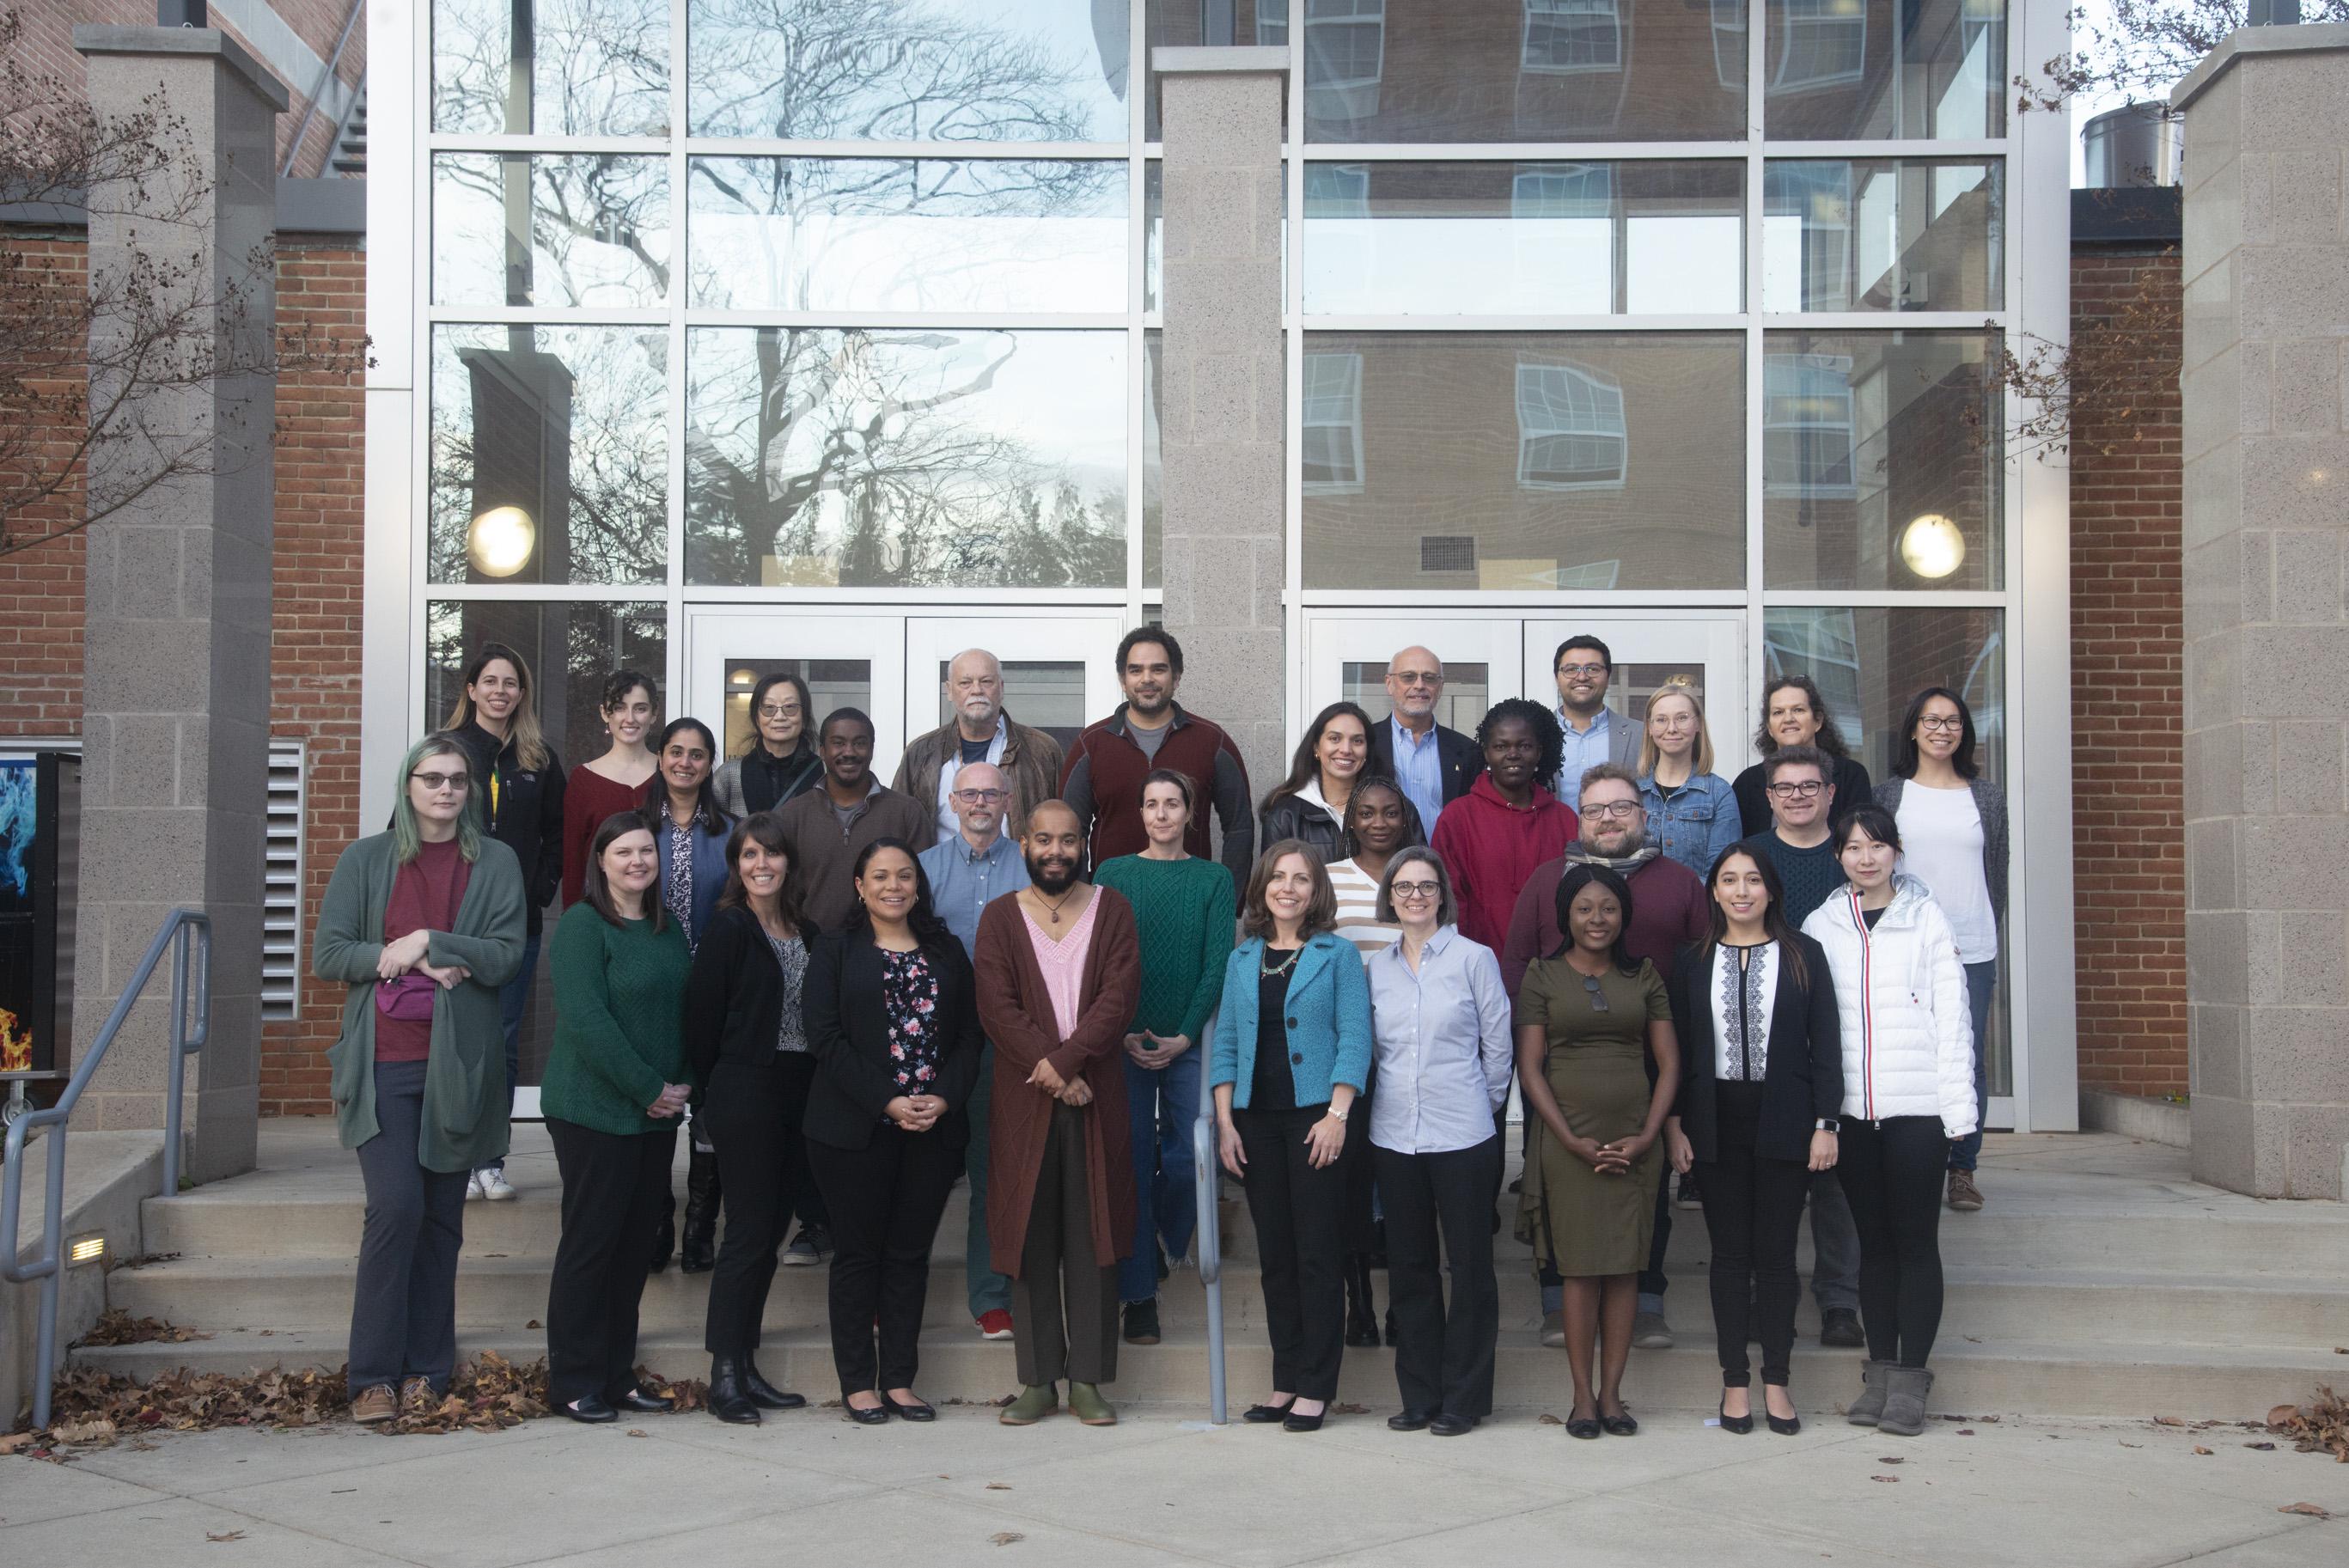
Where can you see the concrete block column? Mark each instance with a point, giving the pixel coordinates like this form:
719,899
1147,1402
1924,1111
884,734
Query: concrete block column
1222,404
2266,451
175,722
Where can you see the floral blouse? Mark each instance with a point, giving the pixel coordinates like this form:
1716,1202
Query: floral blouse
909,994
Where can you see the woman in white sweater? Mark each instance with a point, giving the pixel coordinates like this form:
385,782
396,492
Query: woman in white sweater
1908,1093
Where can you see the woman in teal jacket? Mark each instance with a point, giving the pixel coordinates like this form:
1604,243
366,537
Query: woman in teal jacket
1292,1050
423,923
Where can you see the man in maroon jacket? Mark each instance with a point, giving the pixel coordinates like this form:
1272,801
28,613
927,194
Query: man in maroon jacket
1101,780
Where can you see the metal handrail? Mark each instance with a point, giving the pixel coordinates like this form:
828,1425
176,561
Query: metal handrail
188,934
326,80
1207,1175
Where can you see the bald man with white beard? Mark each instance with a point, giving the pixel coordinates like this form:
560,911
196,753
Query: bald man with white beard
981,731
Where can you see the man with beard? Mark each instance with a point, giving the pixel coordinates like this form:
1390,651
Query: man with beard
1060,972
981,731
830,825
1101,780
1668,909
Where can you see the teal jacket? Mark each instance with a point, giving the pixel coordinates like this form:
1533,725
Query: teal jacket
465,1123
1329,1021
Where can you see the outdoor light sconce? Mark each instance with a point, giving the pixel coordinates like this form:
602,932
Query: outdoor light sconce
89,1249
501,540
1933,546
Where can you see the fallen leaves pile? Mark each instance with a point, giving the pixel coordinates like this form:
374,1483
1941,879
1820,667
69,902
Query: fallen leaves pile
116,1326
2321,1426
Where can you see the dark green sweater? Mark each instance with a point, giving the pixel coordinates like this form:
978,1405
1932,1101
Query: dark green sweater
620,1040
1183,910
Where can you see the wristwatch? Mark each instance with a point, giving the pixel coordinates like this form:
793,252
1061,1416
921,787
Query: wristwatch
1341,1115
1828,1124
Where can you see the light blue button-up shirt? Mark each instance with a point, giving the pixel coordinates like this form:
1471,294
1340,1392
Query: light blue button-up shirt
1585,749
1419,769
1444,1046
963,880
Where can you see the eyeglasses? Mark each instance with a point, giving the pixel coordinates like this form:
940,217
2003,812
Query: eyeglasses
460,782
1613,809
1597,997
772,711
1415,889
1415,677
1941,724
1583,670
979,797
1807,789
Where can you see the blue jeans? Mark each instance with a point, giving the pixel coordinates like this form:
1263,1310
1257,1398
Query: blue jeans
512,997
986,1290
1981,979
1160,1108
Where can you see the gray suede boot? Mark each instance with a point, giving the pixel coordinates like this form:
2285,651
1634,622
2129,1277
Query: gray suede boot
1868,1408
1904,1401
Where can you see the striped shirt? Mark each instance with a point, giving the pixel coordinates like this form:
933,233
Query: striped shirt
1358,904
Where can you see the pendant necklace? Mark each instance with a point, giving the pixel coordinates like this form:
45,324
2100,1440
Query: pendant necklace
1054,914
1283,967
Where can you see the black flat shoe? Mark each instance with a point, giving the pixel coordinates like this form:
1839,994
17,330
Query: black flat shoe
1621,1426
647,1404
1409,1421
1266,1415
591,1410
1448,1426
1294,1422
878,1415
1740,1425
1785,1427
1584,1426
765,1394
916,1411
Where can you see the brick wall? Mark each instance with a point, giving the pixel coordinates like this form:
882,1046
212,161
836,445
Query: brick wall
2128,783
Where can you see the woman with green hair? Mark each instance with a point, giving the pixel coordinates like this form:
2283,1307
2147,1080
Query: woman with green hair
424,922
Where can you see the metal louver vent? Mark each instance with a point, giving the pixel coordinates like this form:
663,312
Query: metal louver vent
281,908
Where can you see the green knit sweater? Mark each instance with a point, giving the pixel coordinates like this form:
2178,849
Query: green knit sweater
620,1040
1183,910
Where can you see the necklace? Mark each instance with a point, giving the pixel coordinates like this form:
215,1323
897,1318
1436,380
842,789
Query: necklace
1053,913
1283,967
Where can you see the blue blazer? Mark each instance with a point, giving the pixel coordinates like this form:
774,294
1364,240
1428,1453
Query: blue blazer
1328,1020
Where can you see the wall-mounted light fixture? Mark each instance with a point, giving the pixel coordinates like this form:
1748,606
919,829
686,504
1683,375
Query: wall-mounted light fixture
501,540
1933,546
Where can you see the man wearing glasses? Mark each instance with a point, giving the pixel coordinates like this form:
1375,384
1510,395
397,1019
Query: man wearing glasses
1668,909
977,862
981,731
1433,764
1582,667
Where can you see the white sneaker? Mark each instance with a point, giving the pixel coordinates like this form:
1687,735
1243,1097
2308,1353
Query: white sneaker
473,1186
494,1186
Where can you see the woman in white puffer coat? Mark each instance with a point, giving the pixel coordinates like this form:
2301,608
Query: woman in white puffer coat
1908,1093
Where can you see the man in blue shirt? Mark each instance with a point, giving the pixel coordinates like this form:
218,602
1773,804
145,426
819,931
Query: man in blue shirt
976,864
1583,666
1431,763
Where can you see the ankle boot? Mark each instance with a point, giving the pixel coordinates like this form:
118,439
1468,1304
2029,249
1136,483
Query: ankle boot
1904,1402
763,1394
729,1401
700,1244
1867,1410
1361,1315
664,1237
1036,1401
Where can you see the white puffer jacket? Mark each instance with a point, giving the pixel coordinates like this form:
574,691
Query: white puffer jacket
1907,1035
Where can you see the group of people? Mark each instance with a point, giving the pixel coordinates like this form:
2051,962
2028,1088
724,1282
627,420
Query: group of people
1023,969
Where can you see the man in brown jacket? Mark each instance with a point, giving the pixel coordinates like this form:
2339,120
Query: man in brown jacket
981,731
1060,973
830,825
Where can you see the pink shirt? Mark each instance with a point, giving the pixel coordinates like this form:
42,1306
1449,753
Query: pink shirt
1063,964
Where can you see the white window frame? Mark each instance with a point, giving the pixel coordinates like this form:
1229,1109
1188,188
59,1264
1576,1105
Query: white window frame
1555,411
1348,416
1557,12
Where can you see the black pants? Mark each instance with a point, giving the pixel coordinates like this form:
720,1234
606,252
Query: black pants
1300,1217
613,1185
1361,1169
1064,1303
1891,1173
1753,1210
403,1313
752,1115
1443,1357
884,1199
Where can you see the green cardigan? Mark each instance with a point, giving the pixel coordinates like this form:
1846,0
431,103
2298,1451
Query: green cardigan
465,1122
619,1021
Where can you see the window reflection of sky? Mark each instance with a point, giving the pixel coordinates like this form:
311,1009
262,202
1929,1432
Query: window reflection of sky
1500,265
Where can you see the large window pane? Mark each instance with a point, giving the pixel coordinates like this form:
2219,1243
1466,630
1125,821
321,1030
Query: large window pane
1507,239
1868,69
909,70
1524,460
905,458
837,233
586,67
514,229
550,454
1881,462
1880,233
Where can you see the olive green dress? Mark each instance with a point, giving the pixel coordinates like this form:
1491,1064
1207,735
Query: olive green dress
1583,1223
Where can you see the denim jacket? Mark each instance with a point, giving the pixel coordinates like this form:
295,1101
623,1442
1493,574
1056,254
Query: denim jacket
1694,826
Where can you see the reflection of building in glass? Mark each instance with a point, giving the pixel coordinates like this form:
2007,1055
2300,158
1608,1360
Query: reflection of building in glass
1806,425
1333,423
1570,432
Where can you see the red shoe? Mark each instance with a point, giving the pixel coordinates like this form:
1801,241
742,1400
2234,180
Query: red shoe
994,1323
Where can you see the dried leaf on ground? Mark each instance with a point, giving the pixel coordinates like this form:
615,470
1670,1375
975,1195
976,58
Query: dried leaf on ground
998,1485
116,1326
1546,1419
1894,1477
17,1442
639,1433
2322,1426
2309,1509
1892,1459
2168,1422
483,1396
98,1430
225,1536
690,1393
2262,1448
2200,1449
1005,1537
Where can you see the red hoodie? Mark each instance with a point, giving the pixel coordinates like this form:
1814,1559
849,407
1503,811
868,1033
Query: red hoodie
1491,847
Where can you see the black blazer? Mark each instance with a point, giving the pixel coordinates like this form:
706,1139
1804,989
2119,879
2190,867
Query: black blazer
848,1033
1456,759
1804,1080
734,1000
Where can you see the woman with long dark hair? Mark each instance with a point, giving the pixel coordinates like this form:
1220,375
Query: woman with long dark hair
495,720
1795,713
423,923
778,761
681,806
1309,805
744,1027
892,1020
616,1083
1588,1019
616,780
1761,1092
1952,823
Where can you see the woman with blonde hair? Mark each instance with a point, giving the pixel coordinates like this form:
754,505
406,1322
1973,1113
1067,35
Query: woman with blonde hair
1691,811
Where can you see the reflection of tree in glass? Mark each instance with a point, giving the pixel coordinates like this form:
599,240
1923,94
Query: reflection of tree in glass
597,67
880,70
846,447
587,641
600,505
599,227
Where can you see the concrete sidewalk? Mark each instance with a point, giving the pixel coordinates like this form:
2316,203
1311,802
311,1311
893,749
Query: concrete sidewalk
812,1487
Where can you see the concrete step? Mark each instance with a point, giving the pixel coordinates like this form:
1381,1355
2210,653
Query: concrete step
2190,1383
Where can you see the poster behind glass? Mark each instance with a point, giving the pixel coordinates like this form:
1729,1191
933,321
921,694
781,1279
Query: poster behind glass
35,944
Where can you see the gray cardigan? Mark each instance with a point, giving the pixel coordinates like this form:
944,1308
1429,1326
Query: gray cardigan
1991,801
